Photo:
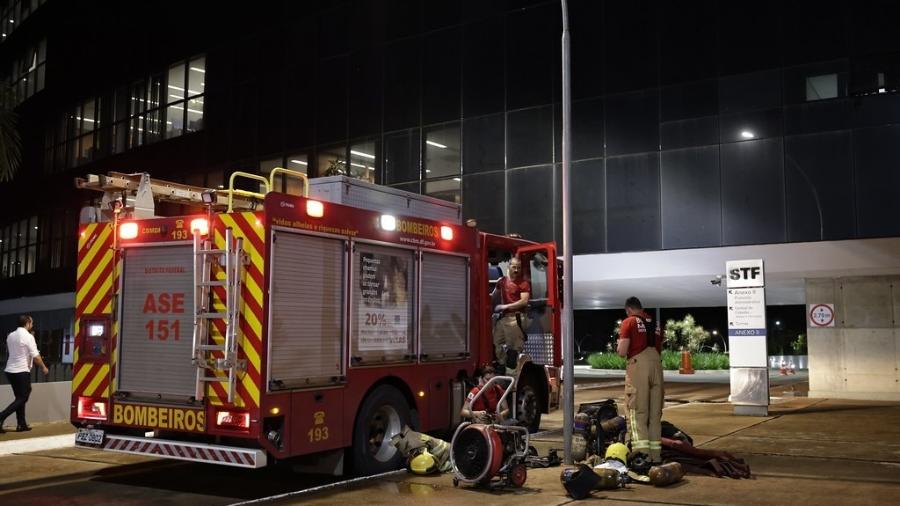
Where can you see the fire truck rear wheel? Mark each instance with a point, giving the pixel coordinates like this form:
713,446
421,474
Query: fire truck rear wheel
382,415
528,411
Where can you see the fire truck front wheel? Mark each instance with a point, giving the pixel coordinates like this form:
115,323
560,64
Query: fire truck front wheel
382,415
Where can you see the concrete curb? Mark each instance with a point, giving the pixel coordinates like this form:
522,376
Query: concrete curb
36,444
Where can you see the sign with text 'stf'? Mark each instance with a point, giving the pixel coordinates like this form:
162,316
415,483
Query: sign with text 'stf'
746,298
745,273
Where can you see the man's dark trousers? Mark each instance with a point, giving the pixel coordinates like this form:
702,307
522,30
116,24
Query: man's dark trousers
21,387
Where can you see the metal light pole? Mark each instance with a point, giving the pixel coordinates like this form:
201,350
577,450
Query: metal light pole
568,334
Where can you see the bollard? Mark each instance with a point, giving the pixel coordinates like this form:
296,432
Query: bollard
686,367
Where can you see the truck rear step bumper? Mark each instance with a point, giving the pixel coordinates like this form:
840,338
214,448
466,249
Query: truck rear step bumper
192,452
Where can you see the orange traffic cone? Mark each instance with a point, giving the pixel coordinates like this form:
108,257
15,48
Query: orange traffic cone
686,367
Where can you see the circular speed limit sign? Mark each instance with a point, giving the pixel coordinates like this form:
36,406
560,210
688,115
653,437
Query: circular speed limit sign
821,315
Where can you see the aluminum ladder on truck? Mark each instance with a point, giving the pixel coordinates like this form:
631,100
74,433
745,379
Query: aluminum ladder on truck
213,358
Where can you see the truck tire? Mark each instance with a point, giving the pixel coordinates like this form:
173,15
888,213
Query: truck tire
528,410
383,414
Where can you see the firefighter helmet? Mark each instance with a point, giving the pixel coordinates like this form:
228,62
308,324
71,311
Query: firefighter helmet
421,462
617,451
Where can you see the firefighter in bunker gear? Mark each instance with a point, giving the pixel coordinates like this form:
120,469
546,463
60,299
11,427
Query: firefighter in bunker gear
514,292
639,342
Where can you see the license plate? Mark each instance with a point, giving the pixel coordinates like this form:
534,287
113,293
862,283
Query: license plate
91,437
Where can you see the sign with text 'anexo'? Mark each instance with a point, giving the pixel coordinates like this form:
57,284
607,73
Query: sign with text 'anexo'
746,298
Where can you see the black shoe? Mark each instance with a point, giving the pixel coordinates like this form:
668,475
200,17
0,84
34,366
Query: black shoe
23,428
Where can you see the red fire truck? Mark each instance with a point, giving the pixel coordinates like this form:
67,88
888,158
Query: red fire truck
262,325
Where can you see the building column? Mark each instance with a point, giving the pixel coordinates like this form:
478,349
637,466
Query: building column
858,358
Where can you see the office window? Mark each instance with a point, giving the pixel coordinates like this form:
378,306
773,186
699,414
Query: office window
196,88
266,166
291,184
58,236
821,87
441,150
28,71
364,161
18,247
284,184
164,105
175,94
816,81
332,161
401,156
445,189
185,87
85,122
14,13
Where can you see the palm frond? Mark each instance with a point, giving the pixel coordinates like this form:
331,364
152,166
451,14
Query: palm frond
10,140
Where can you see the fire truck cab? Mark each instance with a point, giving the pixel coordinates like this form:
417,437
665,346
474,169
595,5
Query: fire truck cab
262,325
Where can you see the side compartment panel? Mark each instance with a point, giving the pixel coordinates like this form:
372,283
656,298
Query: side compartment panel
316,420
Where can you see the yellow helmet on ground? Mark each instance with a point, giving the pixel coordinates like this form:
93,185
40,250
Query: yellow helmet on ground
422,463
617,451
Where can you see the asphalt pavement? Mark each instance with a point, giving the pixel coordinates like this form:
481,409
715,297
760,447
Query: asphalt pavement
805,451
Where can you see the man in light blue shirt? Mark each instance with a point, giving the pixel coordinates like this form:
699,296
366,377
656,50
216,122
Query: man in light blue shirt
23,353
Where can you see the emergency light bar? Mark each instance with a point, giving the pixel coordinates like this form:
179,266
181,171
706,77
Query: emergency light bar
200,225
128,230
388,222
315,209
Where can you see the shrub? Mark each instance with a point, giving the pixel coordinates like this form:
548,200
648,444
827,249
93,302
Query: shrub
606,361
671,361
709,361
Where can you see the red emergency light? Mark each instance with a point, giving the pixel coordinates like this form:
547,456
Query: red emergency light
91,409
446,233
233,420
128,230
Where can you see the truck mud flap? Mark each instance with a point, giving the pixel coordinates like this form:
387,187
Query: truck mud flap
192,452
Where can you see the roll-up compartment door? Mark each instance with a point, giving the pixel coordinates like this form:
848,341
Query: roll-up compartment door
156,323
445,307
306,330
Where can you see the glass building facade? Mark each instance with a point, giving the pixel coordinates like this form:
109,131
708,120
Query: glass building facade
696,123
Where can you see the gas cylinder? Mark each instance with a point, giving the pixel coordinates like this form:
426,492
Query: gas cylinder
609,479
666,474
613,425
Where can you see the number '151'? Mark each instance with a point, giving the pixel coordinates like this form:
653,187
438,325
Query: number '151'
162,330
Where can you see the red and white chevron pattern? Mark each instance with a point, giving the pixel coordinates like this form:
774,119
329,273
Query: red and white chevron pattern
194,452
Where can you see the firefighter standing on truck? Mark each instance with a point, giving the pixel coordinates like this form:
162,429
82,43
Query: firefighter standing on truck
640,343
509,331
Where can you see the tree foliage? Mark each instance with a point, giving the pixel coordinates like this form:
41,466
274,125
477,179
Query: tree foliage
10,141
685,334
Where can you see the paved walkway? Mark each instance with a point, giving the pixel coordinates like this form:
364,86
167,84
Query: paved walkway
808,451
